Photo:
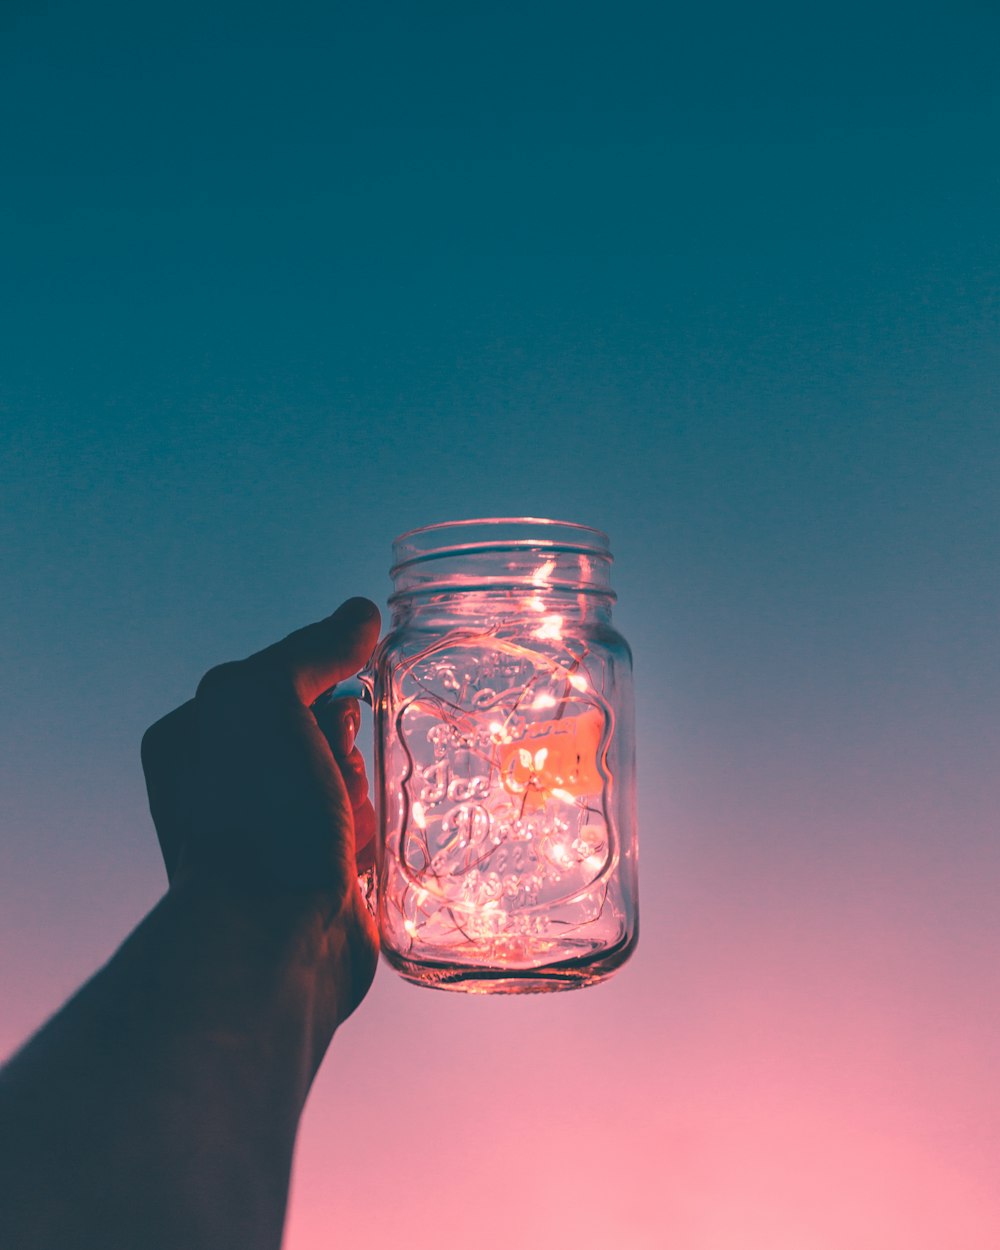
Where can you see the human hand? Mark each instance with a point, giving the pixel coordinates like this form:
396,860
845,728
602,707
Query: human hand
256,795
167,1092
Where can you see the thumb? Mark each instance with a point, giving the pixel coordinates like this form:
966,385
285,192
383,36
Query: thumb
318,656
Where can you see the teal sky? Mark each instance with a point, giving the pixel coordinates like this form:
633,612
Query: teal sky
278,282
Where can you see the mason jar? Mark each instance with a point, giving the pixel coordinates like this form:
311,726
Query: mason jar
504,760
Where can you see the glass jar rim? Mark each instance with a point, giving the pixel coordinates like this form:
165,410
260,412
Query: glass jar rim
483,534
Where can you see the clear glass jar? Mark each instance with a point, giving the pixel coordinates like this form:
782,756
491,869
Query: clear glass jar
504,760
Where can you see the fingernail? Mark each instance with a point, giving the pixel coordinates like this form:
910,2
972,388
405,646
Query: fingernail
341,722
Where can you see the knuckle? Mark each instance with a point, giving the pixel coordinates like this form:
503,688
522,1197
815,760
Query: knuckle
166,737
354,762
149,747
364,826
246,684
222,682
353,765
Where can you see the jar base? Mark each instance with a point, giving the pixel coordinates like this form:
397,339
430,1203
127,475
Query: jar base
568,974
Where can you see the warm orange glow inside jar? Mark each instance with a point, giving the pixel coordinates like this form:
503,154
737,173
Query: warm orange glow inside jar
504,760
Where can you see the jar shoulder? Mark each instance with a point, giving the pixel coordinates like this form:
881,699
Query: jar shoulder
409,638
607,638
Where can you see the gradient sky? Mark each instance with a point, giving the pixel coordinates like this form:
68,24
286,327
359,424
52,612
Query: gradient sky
279,281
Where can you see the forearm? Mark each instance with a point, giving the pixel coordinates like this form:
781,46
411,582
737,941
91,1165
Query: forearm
159,1107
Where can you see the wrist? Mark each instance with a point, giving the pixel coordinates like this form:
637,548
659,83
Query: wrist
260,972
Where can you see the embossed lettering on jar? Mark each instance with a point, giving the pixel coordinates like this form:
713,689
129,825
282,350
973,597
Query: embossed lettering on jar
505,760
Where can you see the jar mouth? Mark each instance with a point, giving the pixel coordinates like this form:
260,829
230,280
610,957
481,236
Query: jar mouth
506,555
489,534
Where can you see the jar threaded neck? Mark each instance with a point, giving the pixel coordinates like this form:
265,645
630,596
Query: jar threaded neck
507,555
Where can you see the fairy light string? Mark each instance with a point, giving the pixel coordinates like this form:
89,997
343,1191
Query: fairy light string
505,839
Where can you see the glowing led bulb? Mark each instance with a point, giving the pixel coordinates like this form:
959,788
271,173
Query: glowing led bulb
550,628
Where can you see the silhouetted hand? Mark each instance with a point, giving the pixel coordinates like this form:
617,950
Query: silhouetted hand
252,790
159,1106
